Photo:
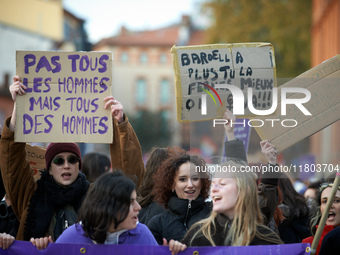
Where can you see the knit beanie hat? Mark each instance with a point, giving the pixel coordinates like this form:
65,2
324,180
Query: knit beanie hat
55,148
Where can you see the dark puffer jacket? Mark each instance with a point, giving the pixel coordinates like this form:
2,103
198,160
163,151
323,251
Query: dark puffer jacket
295,227
181,215
220,231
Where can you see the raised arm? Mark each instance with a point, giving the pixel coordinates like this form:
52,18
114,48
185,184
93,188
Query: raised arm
16,88
268,192
234,148
16,171
125,150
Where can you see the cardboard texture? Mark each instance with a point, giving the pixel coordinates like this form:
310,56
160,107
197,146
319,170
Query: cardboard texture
241,64
36,157
65,97
323,82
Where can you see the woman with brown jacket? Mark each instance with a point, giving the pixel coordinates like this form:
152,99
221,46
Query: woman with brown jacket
59,192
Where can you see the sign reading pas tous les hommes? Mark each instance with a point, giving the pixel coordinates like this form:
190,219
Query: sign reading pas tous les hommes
65,97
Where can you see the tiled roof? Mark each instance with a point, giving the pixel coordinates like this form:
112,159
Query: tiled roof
166,37
197,38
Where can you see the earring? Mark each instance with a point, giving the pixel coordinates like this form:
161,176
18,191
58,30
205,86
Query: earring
173,191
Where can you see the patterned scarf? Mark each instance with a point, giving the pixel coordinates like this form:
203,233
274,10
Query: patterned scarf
48,197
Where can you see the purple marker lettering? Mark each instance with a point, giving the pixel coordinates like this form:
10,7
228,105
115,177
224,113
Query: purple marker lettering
103,85
37,123
36,84
34,102
93,103
56,104
94,131
48,122
27,129
84,60
74,61
25,82
43,62
103,63
64,124
56,64
47,85
103,125
72,124
29,60
61,82
71,98
95,66
80,104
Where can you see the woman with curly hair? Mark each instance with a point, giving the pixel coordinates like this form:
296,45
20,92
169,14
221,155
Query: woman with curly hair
183,191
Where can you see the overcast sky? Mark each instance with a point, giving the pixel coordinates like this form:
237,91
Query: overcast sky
104,18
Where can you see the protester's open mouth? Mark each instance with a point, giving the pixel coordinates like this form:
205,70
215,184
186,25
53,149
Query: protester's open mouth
190,191
216,198
66,175
331,216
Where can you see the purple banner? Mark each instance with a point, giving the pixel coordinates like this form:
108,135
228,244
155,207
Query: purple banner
21,247
307,167
243,133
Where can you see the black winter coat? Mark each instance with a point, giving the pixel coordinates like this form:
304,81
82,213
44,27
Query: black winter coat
149,211
294,228
181,215
220,232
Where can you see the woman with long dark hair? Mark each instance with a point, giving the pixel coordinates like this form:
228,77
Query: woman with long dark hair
109,215
295,225
146,198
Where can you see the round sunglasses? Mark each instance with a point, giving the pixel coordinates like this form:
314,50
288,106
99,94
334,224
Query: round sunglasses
59,161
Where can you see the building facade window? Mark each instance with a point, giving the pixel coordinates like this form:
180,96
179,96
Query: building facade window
141,92
165,92
165,115
163,58
124,57
143,59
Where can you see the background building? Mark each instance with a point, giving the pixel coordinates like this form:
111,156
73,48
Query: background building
143,74
34,25
325,145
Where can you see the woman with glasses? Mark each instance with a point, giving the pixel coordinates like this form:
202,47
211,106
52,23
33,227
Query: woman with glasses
47,207
333,219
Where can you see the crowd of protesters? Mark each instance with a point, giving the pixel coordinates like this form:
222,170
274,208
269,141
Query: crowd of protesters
116,200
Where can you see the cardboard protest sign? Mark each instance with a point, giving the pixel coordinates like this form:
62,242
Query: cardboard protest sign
200,70
323,83
36,157
64,100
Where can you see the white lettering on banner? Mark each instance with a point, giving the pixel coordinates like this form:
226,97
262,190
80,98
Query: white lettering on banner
252,122
238,100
